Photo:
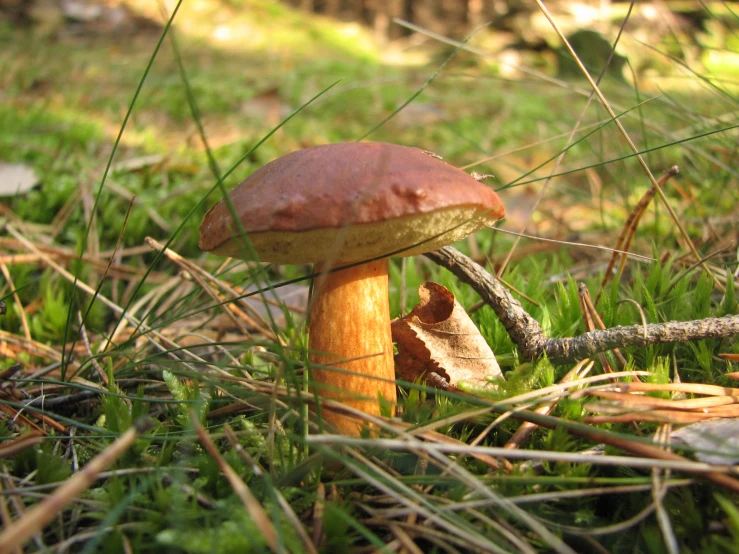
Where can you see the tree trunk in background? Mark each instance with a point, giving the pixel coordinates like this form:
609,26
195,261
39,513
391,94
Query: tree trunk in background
385,12
448,17
382,20
332,8
475,13
424,15
359,10
453,17
397,10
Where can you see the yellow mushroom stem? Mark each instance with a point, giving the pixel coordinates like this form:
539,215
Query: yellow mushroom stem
350,342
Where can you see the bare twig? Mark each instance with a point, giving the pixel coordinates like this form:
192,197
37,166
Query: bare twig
527,334
523,329
637,335
588,307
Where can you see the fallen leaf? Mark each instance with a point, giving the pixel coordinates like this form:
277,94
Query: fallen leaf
16,179
438,342
716,441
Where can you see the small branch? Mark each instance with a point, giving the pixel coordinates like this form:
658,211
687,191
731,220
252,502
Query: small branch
523,329
527,334
591,343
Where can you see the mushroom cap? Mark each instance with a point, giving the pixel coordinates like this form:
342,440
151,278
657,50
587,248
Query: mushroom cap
350,202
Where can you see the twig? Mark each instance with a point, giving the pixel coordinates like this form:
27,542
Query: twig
66,400
637,335
588,307
523,329
527,334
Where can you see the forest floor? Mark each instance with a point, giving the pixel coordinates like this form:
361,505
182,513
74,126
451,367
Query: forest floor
114,144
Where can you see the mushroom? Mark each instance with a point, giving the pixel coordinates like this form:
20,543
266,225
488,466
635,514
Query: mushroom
346,208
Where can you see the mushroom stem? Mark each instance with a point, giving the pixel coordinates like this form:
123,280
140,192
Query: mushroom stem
351,347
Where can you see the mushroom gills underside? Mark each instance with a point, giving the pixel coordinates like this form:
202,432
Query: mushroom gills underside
406,236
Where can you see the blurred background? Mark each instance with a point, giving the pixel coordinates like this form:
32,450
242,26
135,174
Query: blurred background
487,84
513,30
113,131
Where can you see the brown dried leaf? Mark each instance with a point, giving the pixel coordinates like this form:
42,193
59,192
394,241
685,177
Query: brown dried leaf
439,342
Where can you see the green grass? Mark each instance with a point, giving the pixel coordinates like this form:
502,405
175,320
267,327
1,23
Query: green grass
64,100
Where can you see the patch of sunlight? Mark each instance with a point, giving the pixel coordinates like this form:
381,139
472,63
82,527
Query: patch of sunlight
586,15
653,82
239,34
265,26
722,62
393,55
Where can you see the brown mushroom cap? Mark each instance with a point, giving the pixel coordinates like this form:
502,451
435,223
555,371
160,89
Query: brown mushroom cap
350,202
